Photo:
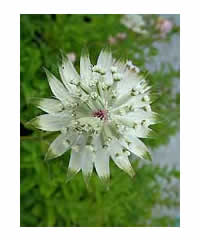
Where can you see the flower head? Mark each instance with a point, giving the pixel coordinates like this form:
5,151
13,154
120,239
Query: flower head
100,114
164,26
134,22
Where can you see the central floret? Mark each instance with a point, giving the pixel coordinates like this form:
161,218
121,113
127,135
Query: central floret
102,114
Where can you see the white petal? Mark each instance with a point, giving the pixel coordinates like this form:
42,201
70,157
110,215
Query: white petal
51,122
87,159
58,147
105,60
122,162
75,161
137,102
108,78
97,142
48,105
138,116
129,81
76,153
125,165
135,146
102,164
141,131
121,66
85,68
134,101
68,73
57,87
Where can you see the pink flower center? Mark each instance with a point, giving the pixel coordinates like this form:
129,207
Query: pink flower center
102,114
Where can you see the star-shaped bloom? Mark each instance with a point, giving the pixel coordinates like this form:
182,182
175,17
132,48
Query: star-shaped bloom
100,114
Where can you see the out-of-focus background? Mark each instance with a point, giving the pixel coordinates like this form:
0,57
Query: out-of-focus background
152,42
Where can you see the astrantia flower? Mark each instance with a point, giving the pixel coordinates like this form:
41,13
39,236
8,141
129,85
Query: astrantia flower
100,114
134,22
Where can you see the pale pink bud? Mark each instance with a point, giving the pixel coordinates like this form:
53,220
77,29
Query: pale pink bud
71,56
164,26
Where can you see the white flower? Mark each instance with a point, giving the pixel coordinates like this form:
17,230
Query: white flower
100,114
134,22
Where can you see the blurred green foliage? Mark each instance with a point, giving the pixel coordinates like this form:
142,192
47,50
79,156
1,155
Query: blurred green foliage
46,198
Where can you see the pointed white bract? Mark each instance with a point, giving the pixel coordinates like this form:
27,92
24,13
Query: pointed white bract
48,105
57,87
120,157
100,114
85,68
101,163
58,147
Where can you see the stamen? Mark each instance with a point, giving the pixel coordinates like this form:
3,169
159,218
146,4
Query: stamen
102,114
